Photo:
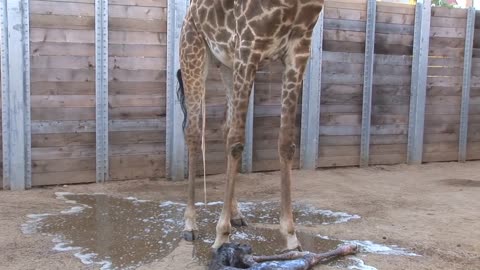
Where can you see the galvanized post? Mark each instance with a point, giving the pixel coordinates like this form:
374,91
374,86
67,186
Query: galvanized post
101,89
467,75
368,82
312,86
176,161
15,61
247,156
416,118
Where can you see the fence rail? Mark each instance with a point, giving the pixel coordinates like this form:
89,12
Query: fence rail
88,91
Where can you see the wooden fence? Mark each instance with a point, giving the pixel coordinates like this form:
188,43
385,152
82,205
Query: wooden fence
62,90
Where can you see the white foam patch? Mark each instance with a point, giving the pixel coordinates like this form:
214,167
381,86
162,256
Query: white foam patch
61,195
134,199
85,258
341,217
210,203
170,203
323,237
73,210
360,265
240,235
105,265
70,201
38,217
89,259
244,236
370,247
208,241
61,247
30,226
245,207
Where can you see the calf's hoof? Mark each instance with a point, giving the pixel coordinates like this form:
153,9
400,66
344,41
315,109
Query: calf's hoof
190,236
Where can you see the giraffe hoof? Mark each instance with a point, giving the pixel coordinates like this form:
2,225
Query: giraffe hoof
238,222
298,248
190,236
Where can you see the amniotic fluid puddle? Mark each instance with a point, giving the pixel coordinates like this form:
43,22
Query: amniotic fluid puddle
124,233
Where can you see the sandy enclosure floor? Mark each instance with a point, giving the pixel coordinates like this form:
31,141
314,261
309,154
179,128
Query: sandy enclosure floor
433,210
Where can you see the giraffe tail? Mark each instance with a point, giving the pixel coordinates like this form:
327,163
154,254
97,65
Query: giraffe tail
181,97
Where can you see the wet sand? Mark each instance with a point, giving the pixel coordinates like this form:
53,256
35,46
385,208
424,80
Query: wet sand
432,210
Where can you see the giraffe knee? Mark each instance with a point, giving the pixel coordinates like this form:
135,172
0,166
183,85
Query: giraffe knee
287,151
236,150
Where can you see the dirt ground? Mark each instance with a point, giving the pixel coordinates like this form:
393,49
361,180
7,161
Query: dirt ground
432,209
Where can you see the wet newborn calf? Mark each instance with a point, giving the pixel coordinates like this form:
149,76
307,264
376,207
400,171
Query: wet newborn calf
232,256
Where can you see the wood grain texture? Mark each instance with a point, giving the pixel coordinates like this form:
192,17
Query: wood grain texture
137,97
60,178
137,167
63,90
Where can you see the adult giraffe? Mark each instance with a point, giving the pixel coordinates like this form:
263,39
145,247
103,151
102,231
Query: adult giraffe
240,36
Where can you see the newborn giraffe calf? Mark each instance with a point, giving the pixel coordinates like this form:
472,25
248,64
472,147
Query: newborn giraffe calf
231,256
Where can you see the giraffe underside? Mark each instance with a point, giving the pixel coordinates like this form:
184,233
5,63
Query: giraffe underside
243,35
271,26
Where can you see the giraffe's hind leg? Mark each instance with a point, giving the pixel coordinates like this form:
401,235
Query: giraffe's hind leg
193,65
237,219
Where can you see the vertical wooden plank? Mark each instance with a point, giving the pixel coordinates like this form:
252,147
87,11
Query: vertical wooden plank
247,155
367,83
467,75
311,101
16,94
101,89
176,160
419,81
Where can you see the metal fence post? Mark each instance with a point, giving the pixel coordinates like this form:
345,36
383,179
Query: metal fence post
467,75
176,161
416,118
247,156
368,82
312,86
15,61
101,89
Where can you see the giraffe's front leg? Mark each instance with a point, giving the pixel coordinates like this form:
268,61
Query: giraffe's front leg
226,73
295,62
224,226
245,67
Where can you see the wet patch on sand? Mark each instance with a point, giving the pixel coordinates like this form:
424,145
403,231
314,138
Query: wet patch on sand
125,233
461,182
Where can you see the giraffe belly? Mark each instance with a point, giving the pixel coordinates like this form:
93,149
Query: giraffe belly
226,56
222,54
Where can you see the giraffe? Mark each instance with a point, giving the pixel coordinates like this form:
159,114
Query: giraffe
239,37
